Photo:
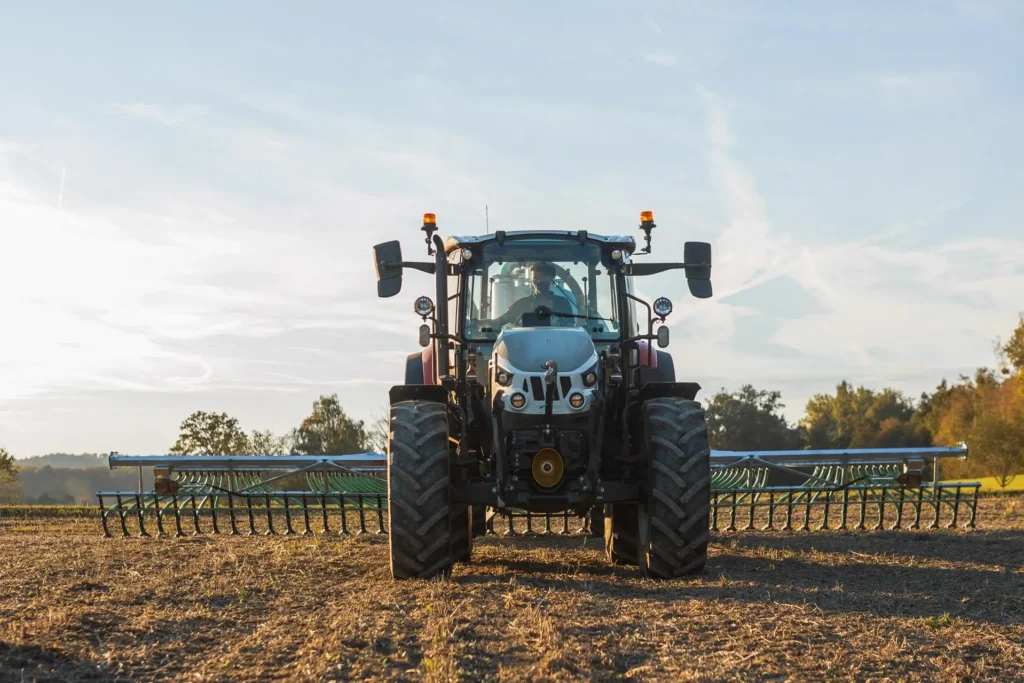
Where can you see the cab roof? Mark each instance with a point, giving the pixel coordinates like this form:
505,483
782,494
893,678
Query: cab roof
624,242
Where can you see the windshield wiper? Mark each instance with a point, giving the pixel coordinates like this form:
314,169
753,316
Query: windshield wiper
544,313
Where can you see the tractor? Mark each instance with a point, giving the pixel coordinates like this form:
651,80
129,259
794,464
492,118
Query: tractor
539,388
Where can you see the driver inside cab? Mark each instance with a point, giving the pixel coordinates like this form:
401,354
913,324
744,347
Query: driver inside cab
542,293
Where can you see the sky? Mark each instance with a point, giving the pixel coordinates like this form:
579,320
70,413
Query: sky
190,192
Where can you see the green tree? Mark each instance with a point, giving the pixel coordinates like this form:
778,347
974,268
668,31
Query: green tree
862,418
10,487
203,433
265,443
1014,349
748,420
329,431
380,431
988,415
8,467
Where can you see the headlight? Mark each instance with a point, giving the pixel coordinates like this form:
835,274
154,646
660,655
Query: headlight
503,377
589,378
616,254
518,400
467,254
576,400
423,306
662,307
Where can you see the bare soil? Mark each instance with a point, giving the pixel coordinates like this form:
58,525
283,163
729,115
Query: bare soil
859,605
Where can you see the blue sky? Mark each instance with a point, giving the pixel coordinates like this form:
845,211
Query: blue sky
189,194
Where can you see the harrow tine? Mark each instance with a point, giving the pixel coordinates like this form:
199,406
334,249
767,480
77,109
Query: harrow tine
881,511
899,510
828,502
177,516
288,518
103,518
305,515
362,515
159,516
120,516
248,509
195,515
270,518
323,509
956,509
916,524
214,497
344,517
938,507
974,509
845,509
231,514
141,515
380,515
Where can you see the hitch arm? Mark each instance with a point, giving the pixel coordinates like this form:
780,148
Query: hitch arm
550,378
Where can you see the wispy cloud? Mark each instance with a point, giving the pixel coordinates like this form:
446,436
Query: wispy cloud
164,115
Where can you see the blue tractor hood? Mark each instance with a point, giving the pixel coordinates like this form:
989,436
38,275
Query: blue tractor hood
527,349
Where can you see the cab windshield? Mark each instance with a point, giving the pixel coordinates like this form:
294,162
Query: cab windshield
541,282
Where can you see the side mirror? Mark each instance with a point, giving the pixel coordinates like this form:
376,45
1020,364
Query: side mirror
698,275
387,259
662,337
424,335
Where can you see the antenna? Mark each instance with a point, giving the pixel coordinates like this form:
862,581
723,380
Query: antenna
487,219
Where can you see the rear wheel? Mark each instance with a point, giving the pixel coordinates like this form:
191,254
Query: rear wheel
674,525
419,491
479,522
462,533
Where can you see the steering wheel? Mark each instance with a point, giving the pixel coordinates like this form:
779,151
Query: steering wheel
574,287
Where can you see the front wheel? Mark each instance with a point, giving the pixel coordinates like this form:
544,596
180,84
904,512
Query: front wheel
674,525
419,495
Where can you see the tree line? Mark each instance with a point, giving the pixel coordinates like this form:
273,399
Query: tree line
986,411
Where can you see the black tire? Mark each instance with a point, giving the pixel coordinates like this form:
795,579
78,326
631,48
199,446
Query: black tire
419,491
597,521
621,529
479,522
462,533
674,525
414,368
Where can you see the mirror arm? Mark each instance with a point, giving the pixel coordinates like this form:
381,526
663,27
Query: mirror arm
414,265
640,269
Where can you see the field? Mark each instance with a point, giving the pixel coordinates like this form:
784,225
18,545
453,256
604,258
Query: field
902,605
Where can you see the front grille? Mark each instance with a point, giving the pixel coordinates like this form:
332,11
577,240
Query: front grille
538,388
566,385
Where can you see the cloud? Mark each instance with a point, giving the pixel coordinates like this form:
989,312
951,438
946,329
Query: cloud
790,311
163,115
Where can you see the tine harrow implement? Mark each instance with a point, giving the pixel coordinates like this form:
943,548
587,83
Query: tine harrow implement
856,489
